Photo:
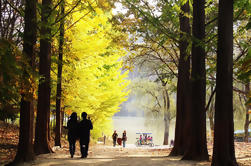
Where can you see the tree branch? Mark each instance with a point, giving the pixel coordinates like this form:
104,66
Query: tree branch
76,21
56,21
210,99
13,7
211,21
239,91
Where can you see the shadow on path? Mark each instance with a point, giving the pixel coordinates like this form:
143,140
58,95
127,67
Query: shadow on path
118,161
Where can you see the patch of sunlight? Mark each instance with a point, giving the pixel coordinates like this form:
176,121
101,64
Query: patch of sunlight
174,158
139,155
90,161
205,163
158,159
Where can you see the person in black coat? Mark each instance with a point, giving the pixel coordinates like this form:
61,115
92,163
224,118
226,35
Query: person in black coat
84,134
124,138
114,137
72,126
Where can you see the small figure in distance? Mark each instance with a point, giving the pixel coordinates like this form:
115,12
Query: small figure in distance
124,138
148,139
140,139
172,143
84,133
114,137
104,139
72,126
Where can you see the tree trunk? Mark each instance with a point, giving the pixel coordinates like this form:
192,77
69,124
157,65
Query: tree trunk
59,81
247,122
25,146
62,118
166,116
223,150
210,114
197,149
43,108
25,151
182,85
211,122
49,126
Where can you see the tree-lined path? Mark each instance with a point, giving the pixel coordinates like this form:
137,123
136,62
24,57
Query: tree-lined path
182,65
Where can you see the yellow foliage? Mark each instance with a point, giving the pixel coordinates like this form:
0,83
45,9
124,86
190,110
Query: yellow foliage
93,80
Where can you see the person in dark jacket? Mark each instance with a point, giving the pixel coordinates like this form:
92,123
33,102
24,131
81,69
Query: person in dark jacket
84,134
124,138
114,137
72,126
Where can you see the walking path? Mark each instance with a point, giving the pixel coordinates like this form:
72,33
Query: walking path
100,155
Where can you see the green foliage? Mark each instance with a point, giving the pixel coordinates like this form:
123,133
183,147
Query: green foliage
244,72
10,72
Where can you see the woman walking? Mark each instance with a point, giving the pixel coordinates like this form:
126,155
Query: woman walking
72,126
124,138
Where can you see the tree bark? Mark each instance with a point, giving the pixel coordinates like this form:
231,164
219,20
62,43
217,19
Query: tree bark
197,149
180,141
41,145
25,151
223,150
59,81
247,122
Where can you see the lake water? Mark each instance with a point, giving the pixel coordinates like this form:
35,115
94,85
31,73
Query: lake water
134,125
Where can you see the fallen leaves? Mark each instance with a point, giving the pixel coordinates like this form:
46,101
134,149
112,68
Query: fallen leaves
8,142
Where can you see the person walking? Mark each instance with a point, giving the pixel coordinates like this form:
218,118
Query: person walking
84,134
114,137
104,139
124,138
72,126
140,139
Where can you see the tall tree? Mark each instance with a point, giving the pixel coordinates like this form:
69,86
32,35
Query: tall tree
182,84
41,145
25,146
166,105
223,150
197,149
248,107
59,80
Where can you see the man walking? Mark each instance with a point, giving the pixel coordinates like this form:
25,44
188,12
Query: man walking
114,137
84,133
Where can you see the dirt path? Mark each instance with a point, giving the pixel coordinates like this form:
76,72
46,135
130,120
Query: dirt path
110,156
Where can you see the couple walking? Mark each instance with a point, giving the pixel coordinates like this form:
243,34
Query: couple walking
115,138
79,130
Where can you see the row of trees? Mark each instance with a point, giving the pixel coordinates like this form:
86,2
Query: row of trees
71,60
191,58
77,40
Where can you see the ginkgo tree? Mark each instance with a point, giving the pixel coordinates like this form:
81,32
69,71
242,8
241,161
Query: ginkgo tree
93,80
